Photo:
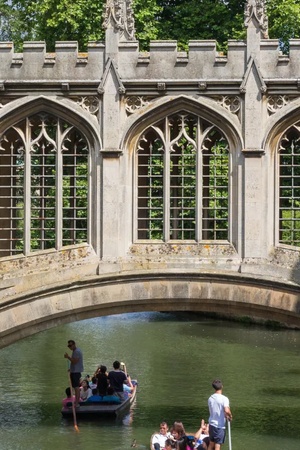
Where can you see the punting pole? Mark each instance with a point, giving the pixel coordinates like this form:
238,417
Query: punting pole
229,435
73,403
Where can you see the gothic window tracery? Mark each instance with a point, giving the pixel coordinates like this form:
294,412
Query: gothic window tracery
44,185
183,181
289,187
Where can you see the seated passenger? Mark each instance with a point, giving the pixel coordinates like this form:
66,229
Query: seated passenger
117,378
128,388
85,391
202,436
95,397
204,445
69,398
170,444
93,383
159,439
102,380
179,434
181,444
111,397
178,430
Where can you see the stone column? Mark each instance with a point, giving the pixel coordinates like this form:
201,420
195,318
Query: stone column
253,87
119,25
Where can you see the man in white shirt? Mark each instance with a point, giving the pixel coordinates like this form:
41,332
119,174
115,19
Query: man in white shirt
159,439
219,412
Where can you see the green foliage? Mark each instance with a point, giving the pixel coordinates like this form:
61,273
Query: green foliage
43,184
183,190
186,20
182,184
154,192
50,20
146,14
284,20
289,192
219,191
290,226
180,20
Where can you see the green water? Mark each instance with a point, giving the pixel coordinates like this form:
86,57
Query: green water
174,358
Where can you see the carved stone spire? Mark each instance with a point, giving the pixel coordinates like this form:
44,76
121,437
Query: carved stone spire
255,10
118,14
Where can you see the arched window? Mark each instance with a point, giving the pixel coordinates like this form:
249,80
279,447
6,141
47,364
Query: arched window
43,185
289,187
182,181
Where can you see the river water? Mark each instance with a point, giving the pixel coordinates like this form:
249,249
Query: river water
174,358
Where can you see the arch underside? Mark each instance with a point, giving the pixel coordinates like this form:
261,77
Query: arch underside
232,297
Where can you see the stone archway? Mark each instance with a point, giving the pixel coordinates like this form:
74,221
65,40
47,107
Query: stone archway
228,295
47,152
209,117
204,107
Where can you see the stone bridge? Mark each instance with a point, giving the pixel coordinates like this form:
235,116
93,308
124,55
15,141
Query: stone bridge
225,294
149,181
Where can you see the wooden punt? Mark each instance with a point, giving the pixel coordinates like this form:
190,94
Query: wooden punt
103,409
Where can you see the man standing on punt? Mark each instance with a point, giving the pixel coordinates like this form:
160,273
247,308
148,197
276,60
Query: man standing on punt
76,367
219,411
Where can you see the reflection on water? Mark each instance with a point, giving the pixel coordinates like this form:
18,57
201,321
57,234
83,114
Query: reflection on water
174,358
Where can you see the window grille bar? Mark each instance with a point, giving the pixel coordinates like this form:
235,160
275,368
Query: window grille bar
32,195
289,191
193,186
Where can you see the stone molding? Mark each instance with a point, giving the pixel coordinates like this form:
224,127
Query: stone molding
118,14
111,67
255,10
88,103
277,102
252,65
230,102
135,102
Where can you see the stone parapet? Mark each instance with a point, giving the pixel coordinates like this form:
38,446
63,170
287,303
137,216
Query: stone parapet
21,275
65,63
163,61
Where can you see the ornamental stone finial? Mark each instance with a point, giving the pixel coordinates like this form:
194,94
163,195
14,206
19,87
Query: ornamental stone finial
255,10
118,14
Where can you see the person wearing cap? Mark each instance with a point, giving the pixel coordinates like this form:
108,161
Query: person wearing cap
219,412
76,367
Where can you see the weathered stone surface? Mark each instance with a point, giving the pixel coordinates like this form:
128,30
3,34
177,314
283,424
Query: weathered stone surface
112,93
232,295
